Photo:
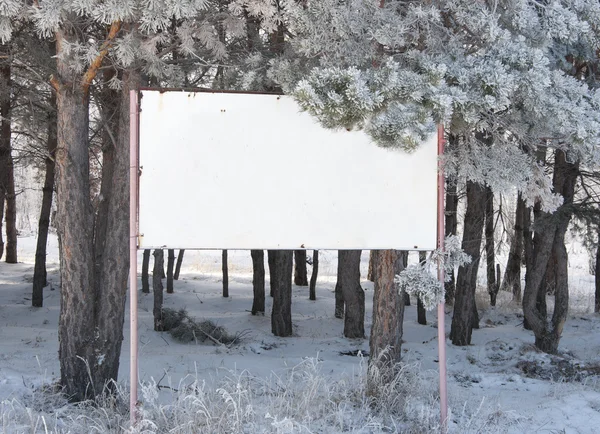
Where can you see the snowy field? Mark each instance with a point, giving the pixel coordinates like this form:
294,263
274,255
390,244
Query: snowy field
301,384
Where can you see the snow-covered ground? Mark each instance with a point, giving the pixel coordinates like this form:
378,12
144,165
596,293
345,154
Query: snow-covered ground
302,383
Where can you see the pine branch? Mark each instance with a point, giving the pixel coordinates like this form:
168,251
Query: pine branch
95,66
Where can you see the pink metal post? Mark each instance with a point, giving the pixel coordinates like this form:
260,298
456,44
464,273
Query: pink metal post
133,239
441,314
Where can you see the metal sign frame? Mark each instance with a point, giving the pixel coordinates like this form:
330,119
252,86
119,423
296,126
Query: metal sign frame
134,244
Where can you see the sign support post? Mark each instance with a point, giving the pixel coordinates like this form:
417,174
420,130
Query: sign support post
133,246
441,313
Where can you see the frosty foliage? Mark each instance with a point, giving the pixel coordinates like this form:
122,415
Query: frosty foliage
419,279
303,398
518,71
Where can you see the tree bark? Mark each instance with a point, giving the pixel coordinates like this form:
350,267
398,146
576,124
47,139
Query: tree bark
300,272
225,268
388,313
490,247
258,281
421,312
6,145
271,264
157,290
39,269
399,266
549,235
92,296
348,279
372,265
178,264
339,296
281,316
145,266
451,221
466,283
170,266
512,275
313,277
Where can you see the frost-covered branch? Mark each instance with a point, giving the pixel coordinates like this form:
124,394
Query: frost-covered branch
419,279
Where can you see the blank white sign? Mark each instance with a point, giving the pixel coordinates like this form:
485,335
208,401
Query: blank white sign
251,171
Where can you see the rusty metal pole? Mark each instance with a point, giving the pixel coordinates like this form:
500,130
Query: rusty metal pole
441,313
133,246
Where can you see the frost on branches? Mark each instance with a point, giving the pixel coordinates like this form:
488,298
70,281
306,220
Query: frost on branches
419,280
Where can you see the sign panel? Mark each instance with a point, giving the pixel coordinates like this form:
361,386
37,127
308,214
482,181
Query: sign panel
252,171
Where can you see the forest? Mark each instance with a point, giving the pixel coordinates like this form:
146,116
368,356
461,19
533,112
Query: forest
514,84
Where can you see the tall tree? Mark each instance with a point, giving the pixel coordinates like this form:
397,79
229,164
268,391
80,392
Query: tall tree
258,281
300,272
281,315
490,247
388,314
348,281
512,275
451,219
178,264
7,177
313,277
170,266
421,312
39,269
225,270
549,237
145,267
157,290
466,282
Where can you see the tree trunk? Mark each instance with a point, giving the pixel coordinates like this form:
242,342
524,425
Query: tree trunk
490,247
5,139
399,266
157,289
386,331
451,221
281,316
271,263
145,266
2,200
339,295
512,275
258,281
225,268
372,265
170,266
75,220
300,272
466,283
313,277
597,273
39,269
549,235
92,295
421,312
348,279
178,264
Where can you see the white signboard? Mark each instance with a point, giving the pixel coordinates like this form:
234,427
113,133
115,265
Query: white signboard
252,171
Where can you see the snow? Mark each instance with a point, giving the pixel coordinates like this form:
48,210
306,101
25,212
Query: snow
488,391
